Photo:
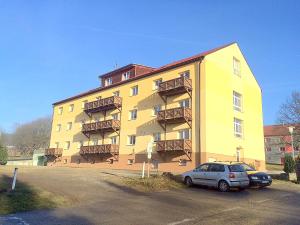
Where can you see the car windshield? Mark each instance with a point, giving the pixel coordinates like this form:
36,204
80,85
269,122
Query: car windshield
236,168
247,167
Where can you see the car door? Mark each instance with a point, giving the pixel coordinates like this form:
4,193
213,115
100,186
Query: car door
214,173
199,174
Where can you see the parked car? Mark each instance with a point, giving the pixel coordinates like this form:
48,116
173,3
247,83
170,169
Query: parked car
257,178
221,175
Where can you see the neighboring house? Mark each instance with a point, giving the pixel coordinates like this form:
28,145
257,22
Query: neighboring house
203,108
278,142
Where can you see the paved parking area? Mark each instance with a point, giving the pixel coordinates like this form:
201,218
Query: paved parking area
100,198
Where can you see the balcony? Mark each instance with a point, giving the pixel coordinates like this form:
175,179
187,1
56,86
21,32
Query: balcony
177,145
100,149
101,126
55,152
175,115
175,86
113,102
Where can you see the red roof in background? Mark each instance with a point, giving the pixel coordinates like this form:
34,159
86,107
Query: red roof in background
279,130
160,69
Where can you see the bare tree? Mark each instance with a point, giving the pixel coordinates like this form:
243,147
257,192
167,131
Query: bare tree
289,112
31,136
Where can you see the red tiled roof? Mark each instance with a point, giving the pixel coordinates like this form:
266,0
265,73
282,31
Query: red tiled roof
279,130
160,69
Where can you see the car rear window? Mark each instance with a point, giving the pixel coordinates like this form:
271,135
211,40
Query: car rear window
236,168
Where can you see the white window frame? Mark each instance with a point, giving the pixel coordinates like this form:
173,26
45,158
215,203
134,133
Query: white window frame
108,81
156,109
237,98
185,74
71,107
156,83
131,140
114,140
156,136
80,144
185,103
115,116
95,141
236,66
60,110
126,75
69,125
67,145
238,127
83,103
58,127
131,113
116,93
184,134
134,90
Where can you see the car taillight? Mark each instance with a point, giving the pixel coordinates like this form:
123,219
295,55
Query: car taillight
231,175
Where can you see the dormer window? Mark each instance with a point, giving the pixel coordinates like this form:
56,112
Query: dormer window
108,81
126,75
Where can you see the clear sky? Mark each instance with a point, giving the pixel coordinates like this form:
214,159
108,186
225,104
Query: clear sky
50,50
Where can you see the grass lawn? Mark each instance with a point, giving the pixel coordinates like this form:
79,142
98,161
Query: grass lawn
154,183
274,167
26,197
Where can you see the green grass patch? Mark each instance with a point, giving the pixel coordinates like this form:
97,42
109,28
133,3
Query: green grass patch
26,198
274,167
153,183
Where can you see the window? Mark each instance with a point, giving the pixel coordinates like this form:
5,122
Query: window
185,74
238,127
60,110
130,161
156,109
131,140
236,67
134,90
184,134
115,116
184,103
80,144
156,84
237,101
82,123
116,93
69,125
108,81
95,141
236,168
83,104
133,114
202,168
269,149
216,168
58,127
67,145
113,140
71,108
156,137
98,97
296,148
126,75
282,149
56,144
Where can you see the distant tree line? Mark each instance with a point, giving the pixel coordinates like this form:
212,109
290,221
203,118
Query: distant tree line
30,136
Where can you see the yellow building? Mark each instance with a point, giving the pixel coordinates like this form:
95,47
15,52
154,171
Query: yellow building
204,108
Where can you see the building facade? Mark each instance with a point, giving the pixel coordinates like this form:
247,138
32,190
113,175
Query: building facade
203,108
278,142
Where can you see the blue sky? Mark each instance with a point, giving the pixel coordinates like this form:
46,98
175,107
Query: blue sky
50,50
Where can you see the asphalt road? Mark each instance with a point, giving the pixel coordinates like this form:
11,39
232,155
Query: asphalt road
100,199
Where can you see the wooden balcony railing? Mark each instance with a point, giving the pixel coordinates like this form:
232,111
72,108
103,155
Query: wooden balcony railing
101,126
175,115
174,145
104,104
99,149
53,152
175,86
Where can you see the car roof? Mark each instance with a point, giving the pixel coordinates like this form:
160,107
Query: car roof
226,162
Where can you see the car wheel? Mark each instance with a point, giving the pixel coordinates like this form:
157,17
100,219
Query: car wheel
188,181
223,186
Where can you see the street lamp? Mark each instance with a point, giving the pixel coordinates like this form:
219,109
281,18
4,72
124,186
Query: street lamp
291,130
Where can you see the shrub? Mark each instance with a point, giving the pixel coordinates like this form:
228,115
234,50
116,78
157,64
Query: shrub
3,155
289,164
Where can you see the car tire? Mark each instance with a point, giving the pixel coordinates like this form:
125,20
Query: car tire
223,186
188,181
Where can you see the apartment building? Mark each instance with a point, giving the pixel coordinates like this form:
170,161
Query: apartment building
278,142
203,108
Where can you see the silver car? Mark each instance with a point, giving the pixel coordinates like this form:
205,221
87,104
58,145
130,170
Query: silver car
221,175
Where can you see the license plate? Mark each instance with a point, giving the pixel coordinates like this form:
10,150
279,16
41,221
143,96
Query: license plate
265,181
